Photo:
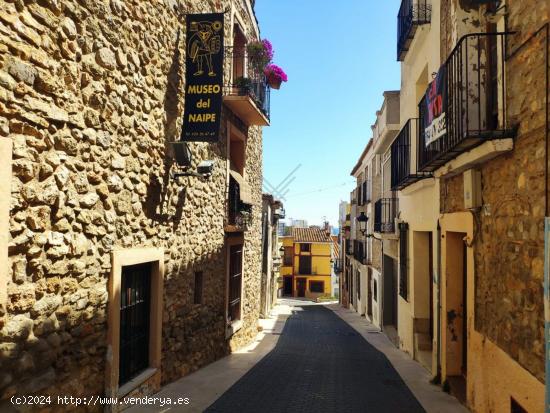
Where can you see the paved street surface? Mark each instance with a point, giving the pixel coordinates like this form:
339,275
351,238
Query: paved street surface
311,358
320,364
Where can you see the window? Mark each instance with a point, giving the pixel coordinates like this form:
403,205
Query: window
305,247
198,288
403,256
317,286
375,290
134,321
235,282
515,407
305,265
288,255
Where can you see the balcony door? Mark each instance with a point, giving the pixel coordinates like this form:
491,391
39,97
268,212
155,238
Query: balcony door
305,265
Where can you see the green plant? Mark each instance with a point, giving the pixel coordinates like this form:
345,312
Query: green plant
244,84
259,55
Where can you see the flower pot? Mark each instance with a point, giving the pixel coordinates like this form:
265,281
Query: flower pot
274,81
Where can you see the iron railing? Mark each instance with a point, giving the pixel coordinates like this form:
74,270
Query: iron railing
247,79
385,212
337,265
475,106
404,168
360,252
134,321
353,197
412,14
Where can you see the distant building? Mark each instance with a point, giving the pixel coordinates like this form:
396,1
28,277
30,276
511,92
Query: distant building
298,223
306,266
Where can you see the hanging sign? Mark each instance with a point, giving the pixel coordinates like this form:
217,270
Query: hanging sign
435,120
204,78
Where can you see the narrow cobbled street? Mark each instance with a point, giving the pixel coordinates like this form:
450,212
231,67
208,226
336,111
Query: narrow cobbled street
320,364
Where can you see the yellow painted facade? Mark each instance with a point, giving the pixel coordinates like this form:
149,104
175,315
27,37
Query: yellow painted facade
321,268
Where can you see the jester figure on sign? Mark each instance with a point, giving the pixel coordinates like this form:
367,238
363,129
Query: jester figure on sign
203,44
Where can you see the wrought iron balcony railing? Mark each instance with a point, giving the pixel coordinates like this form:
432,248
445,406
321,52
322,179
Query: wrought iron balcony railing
475,102
247,80
353,197
385,212
412,14
404,169
360,252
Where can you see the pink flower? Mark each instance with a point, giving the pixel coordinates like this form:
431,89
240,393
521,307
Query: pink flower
276,71
268,48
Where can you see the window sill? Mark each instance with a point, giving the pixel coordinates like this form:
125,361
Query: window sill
136,382
233,328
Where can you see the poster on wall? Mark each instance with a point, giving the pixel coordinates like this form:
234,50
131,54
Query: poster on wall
435,120
203,78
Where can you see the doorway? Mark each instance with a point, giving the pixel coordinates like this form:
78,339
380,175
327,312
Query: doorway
423,297
135,313
456,331
389,300
287,286
369,292
301,287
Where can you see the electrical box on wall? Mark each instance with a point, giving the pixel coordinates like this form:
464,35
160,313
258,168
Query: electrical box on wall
472,189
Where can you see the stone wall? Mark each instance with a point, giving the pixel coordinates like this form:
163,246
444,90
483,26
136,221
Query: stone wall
509,245
90,94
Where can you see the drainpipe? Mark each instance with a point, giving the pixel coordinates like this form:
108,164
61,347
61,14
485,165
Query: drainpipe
439,273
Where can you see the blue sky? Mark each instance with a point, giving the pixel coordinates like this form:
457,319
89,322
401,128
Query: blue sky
339,60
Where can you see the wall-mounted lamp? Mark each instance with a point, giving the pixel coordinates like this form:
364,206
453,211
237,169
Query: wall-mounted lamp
362,220
183,157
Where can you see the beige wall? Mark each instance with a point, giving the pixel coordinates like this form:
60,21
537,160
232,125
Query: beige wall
419,202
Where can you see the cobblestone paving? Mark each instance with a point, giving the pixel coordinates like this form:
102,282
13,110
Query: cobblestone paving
320,364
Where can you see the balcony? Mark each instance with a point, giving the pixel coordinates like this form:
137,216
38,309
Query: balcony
474,106
412,13
337,265
239,205
385,212
360,252
247,94
353,197
404,168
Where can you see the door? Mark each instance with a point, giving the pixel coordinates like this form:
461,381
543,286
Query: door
288,286
389,292
301,287
134,321
369,292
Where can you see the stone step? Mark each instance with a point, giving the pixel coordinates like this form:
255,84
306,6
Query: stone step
422,342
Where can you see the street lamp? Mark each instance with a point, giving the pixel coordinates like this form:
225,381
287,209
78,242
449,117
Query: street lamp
362,220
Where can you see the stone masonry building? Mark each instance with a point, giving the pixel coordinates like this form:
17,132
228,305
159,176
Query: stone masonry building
91,94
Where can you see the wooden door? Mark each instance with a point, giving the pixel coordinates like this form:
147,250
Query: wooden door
301,287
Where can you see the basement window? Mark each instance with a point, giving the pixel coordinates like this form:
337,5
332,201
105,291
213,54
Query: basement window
515,407
317,286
